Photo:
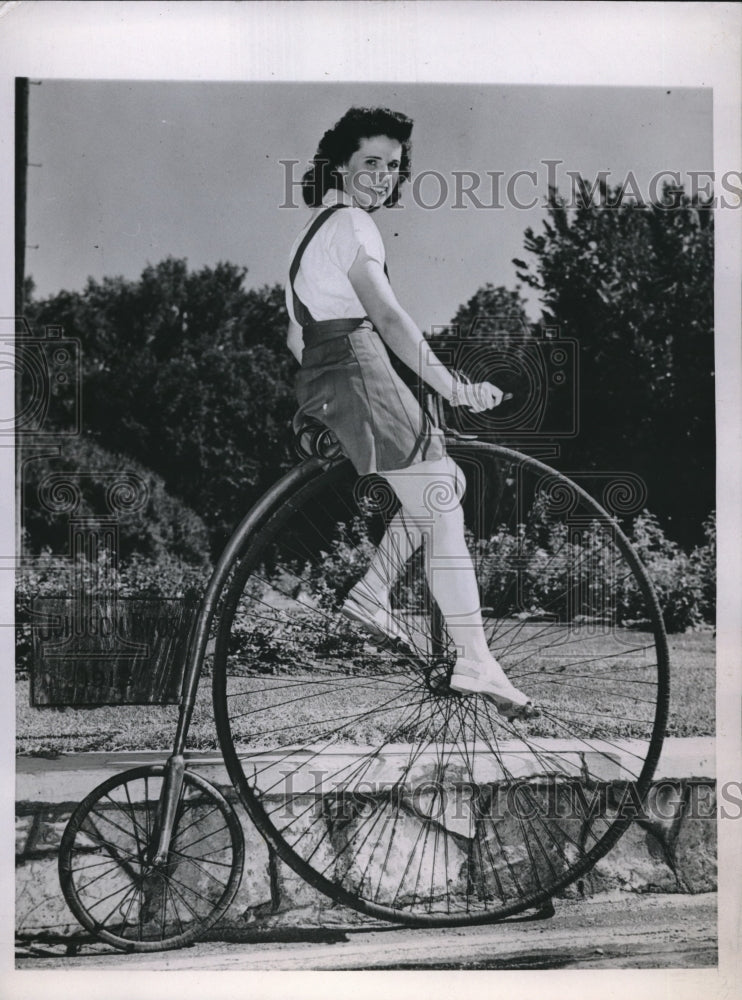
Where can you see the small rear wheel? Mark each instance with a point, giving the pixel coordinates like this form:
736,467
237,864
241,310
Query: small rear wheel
117,892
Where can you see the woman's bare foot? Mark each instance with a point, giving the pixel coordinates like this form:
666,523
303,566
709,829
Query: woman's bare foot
488,679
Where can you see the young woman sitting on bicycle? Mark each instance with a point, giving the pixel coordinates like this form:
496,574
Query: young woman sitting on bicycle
343,315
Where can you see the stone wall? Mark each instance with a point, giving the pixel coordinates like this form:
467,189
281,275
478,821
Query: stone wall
669,847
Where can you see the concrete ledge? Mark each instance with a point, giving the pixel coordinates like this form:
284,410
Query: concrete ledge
72,776
671,847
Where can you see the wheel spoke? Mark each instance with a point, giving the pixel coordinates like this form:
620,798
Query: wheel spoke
128,902
388,790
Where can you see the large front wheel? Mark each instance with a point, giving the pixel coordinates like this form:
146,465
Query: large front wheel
374,780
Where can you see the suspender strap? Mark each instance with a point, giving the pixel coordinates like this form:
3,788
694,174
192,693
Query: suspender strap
302,314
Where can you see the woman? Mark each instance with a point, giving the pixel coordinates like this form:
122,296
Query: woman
343,315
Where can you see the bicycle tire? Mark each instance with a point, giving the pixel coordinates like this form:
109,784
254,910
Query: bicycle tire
491,861
114,891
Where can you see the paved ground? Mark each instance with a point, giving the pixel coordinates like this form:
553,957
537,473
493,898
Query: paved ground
624,932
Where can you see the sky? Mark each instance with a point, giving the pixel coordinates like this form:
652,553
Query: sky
133,172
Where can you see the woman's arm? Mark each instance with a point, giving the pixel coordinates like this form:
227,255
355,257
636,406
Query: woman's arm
295,340
405,338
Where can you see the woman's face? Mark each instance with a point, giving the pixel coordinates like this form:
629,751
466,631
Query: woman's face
372,171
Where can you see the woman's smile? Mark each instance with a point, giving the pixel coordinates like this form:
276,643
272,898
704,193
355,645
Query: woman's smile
372,172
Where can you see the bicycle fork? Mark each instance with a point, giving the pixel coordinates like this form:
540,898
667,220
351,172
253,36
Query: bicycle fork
172,786
175,766
172,789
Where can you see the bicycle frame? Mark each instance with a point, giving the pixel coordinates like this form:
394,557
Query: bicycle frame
198,641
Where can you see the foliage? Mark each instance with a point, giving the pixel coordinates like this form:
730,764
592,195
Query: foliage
188,373
52,575
703,566
492,312
489,339
524,573
685,585
293,644
632,283
343,564
148,520
529,572
543,570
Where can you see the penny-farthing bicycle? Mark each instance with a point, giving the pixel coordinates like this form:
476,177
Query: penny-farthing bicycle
358,764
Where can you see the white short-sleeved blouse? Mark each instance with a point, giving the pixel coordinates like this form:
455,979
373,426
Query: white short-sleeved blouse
322,282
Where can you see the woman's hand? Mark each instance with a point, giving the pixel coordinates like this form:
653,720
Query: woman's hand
478,396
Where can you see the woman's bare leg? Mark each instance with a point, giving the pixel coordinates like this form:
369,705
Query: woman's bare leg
429,493
401,540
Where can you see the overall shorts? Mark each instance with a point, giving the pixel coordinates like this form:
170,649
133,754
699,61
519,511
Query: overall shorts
347,382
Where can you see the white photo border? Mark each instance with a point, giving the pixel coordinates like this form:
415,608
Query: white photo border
559,43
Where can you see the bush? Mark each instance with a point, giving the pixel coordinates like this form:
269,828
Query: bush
541,572
344,564
537,571
50,575
675,579
157,525
293,644
703,563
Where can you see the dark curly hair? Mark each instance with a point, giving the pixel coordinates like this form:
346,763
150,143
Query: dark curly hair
339,143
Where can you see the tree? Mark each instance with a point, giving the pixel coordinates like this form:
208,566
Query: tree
492,311
188,373
491,338
633,284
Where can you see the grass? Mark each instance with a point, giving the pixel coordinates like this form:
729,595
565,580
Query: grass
50,731
692,684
